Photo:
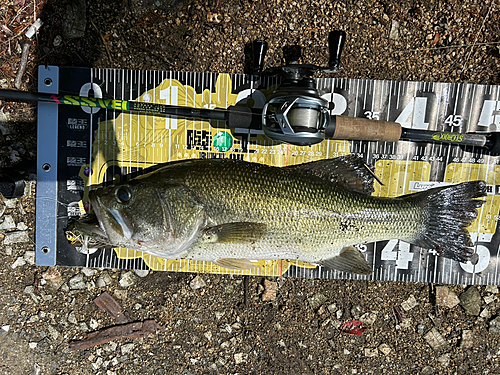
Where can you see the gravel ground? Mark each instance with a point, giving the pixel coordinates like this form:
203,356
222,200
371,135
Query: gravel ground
411,328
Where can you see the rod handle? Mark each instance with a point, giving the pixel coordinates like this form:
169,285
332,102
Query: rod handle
362,129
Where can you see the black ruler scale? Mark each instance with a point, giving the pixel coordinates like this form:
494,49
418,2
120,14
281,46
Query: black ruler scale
83,146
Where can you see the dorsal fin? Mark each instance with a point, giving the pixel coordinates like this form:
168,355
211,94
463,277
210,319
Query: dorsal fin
349,170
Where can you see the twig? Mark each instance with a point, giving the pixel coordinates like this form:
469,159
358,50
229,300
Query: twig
103,42
475,39
129,330
446,47
109,304
22,66
245,291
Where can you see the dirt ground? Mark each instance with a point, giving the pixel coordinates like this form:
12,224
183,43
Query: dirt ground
412,328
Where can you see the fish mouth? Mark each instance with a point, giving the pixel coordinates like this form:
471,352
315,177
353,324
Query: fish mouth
111,223
88,229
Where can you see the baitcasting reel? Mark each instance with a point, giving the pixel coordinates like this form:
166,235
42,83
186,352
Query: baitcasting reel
295,113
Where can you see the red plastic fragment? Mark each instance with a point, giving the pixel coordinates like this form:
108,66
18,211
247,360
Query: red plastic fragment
353,327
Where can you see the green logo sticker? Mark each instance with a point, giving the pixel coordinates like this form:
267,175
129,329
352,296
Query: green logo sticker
222,141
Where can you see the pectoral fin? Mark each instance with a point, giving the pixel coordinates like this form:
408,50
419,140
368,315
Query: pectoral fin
350,260
243,232
235,264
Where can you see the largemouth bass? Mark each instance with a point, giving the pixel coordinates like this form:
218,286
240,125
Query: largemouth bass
232,212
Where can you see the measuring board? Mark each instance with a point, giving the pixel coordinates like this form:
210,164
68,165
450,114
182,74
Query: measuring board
82,146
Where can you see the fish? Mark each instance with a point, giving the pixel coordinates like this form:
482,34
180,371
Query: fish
233,212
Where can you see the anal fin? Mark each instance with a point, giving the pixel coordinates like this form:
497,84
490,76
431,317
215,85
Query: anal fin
235,264
350,260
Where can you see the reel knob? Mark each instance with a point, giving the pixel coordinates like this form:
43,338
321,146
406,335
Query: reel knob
336,41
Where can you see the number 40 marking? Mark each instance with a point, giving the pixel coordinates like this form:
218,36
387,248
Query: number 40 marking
413,115
402,256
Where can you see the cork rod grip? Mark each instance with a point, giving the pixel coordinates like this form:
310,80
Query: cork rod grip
361,129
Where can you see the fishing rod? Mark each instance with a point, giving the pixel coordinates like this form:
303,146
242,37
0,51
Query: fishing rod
294,113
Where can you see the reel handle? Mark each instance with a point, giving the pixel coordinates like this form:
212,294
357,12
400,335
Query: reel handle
336,41
259,50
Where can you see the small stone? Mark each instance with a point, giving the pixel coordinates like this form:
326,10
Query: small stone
470,300
10,203
444,360
94,324
489,299
97,363
219,314
495,326
53,333
394,33
30,290
19,262
120,294
467,340
52,275
446,297
356,311
72,318
332,309
421,329
239,358
491,289
141,273
83,327
427,370
21,226
197,283
8,223
110,347
485,313
88,272
57,40
269,293
384,348
371,352
127,279
33,319
77,283
29,257
369,317
317,300
410,303
127,348
32,345
435,340
6,328
16,237
104,280
208,335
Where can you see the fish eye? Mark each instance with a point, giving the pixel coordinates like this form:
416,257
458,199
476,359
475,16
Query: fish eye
123,194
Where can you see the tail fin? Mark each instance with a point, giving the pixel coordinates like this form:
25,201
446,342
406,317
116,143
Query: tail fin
449,211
